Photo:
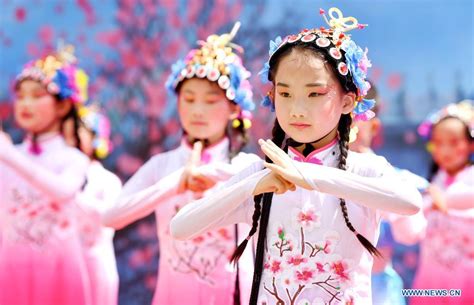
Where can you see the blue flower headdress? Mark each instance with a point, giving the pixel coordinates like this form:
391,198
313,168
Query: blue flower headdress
217,62
60,75
350,60
99,124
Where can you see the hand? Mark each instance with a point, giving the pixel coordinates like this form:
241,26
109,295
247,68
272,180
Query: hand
282,164
6,145
437,196
192,179
273,183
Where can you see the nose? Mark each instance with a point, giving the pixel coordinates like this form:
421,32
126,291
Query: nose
24,101
298,109
197,110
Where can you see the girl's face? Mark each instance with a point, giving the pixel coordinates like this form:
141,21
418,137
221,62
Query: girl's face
451,147
308,98
204,110
36,110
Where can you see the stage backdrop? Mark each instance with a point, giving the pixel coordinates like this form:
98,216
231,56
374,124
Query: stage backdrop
422,55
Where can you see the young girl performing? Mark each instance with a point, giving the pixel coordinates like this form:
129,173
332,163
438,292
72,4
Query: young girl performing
99,194
41,261
213,90
314,243
448,247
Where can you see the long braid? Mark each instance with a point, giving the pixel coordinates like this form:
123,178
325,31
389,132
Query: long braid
344,130
278,137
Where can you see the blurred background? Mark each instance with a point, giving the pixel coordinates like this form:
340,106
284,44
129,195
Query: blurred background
421,51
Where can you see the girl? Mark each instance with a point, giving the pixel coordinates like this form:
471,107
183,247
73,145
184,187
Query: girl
99,194
448,247
40,259
308,249
212,89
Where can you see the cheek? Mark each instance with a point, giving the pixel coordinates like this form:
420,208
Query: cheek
183,111
462,149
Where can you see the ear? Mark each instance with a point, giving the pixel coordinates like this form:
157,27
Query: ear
348,102
63,107
376,126
234,111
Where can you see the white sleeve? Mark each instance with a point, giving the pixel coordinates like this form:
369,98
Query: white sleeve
408,230
58,187
222,171
385,192
142,194
111,187
228,204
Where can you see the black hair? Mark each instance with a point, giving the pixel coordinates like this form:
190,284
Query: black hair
262,209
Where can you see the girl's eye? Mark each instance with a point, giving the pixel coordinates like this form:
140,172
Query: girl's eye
39,94
314,94
211,101
189,100
284,94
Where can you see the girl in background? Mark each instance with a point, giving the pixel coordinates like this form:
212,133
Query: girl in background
447,251
41,261
214,100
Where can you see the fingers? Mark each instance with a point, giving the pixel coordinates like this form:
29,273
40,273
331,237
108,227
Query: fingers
196,154
182,186
269,152
195,182
286,184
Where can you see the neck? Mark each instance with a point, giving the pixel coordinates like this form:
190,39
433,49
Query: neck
206,142
454,171
53,128
43,135
321,142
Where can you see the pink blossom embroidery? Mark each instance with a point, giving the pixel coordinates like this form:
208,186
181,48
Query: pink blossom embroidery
340,269
304,275
296,260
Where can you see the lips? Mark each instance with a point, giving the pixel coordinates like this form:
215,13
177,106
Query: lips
300,125
26,115
198,123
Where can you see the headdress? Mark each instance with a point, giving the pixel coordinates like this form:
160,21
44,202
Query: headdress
59,73
99,124
350,60
217,62
464,110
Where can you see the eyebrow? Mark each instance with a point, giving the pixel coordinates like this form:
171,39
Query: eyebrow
316,85
307,85
210,92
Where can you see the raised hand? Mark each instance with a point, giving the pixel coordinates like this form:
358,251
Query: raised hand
273,183
282,164
192,179
438,198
